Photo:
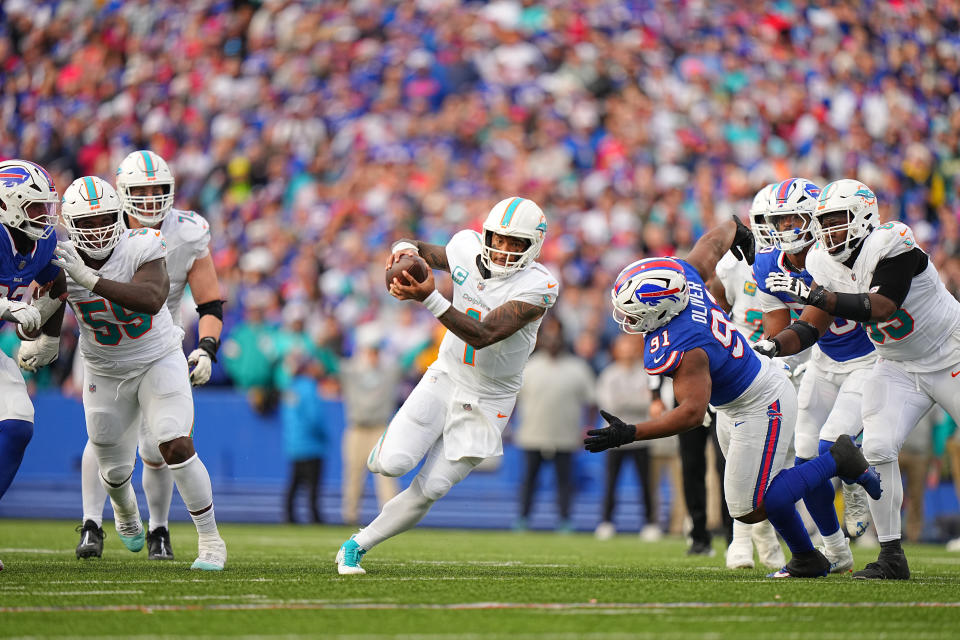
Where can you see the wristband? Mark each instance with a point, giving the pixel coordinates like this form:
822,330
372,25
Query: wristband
436,303
211,345
403,245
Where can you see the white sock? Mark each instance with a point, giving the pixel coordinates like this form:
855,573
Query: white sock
835,541
124,502
193,482
92,493
886,510
158,489
401,513
741,533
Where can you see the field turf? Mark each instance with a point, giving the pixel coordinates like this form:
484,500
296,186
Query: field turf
281,582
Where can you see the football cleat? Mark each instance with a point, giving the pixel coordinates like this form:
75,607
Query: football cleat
852,464
841,562
131,534
768,545
809,564
740,555
889,566
91,540
212,554
856,509
158,544
349,557
701,548
650,533
953,545
605,531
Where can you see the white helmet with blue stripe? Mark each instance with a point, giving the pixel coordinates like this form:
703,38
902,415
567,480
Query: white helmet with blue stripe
85,200
793,197
145,169
518,218
28,198
648,294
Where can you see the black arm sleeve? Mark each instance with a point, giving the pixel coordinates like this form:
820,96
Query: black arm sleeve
893,276
807,333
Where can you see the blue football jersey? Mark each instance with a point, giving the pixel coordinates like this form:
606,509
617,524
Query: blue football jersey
703,325
844,340
17,270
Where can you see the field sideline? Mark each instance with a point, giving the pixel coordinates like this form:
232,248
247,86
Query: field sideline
281,582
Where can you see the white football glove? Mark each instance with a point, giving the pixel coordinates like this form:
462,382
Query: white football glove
200,367
794,287
768,348
26,315
70,261
38,353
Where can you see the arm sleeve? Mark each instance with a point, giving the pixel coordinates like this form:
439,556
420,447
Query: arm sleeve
893,276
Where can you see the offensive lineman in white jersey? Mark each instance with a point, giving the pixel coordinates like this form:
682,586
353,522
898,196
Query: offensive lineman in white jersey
456,414
134,369
145,186
877,275
735,290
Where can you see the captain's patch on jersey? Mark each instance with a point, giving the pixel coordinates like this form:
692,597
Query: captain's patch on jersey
460,275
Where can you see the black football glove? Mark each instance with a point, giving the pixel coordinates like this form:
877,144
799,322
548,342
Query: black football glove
616,433
744,247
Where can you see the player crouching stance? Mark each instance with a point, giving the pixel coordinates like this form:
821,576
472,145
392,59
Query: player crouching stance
117,286
688,337
456,414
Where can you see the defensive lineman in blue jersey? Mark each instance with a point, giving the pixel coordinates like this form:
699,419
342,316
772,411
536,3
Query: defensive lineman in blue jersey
831,392
688,337
28,211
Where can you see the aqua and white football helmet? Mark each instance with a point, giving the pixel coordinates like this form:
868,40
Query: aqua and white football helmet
795,196
28,198
648,294
517,218
859,202
145,169
762,232
85,198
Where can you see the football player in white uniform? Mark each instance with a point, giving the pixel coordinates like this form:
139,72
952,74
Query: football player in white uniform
876,274
456,414
735,290
134,369
28,212
145,186
830,393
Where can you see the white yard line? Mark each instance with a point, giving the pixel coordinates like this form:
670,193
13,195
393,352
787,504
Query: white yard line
473,606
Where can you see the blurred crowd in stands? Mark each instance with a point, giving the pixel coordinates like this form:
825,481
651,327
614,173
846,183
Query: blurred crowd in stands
313,134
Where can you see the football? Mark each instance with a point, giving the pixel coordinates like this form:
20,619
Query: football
414,265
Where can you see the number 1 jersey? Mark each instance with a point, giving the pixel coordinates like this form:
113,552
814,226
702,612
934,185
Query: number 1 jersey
496,370
115,341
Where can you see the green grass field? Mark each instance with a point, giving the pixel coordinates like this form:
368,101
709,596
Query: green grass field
281,582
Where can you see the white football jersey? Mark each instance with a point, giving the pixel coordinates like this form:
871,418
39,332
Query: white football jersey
924,334
497,370
188,237
741,293
113,340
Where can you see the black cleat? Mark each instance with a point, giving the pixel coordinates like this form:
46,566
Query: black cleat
889,566
158,544
701,548
810,564
91,540
852,467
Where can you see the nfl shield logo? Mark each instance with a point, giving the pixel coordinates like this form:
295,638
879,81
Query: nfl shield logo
481,286
92,388
467,407
22,264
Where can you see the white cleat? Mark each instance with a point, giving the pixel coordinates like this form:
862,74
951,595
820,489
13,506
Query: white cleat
349,557
953,545
856,509
768,545
605,531
740,555
651,533
841,561
212,555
